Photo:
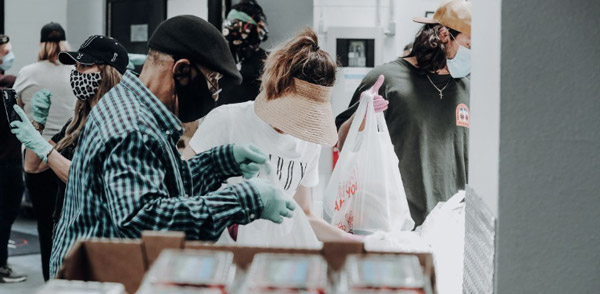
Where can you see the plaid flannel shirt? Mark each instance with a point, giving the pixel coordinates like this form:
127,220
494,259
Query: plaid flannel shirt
128,176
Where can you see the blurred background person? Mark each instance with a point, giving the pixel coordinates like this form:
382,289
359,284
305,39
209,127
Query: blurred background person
46,73
245,28
7,58
11,169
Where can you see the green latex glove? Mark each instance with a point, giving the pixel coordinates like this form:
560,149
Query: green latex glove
276,204
135,59
40,105
249,158
29,136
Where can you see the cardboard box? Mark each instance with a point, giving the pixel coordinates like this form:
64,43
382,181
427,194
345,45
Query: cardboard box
126,261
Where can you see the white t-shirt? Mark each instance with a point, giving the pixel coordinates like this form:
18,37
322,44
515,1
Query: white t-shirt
295,161
56,78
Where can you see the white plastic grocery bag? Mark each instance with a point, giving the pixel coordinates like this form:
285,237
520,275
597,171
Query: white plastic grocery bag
444,231
365,192
294,232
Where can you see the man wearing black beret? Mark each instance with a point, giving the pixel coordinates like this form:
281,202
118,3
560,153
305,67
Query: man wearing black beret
127,175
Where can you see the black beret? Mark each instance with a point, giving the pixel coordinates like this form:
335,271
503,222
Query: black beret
188,36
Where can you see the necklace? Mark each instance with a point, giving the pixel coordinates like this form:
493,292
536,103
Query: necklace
438,89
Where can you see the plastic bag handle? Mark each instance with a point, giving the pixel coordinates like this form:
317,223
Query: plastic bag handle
366,110
383,128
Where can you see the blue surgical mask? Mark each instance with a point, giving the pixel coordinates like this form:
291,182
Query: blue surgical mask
7,61
460,65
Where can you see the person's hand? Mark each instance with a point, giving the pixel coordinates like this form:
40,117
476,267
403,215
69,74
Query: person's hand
379,103
29,136
276,205
40,105
249,158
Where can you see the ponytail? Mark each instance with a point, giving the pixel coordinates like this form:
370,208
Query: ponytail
299,58
49,50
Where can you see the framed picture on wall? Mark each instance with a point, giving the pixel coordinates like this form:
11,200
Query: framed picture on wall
429,14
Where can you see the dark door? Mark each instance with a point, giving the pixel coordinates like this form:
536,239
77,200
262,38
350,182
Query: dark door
2,17
217,12
133,21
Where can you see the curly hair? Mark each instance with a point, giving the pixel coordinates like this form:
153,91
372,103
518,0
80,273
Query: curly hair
429,49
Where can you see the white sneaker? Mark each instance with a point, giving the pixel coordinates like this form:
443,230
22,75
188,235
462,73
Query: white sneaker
8,276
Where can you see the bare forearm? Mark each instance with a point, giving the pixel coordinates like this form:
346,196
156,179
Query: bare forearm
325,231
33,163
344,128
60,165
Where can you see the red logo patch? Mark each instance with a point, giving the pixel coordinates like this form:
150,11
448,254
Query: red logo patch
463,114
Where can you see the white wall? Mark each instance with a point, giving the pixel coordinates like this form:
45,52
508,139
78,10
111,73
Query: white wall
406,29
84,18
485,101
285,18
365,13
193,7
23,21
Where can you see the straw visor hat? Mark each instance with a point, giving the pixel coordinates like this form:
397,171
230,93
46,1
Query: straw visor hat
305,113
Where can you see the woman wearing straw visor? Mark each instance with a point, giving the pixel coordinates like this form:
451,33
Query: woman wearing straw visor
290,120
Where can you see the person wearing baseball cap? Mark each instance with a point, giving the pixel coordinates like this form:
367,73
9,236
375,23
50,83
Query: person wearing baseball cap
99,65
98,50
46,73
127,174
428,112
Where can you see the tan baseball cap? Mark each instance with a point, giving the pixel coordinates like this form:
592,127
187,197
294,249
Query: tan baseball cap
455,14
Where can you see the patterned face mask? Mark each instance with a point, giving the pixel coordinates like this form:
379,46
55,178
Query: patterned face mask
85,85
244,34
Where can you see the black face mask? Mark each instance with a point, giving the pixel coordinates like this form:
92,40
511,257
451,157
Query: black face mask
195,100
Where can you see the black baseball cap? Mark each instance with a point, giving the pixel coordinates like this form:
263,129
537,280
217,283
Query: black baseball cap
98,49
188,36
53,32
4,39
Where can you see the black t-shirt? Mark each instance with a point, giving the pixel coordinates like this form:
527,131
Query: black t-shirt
430,135
10,148
67,152
248,90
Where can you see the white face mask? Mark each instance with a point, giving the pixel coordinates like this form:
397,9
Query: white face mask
460,65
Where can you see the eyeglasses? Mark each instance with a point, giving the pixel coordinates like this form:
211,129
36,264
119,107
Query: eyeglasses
212,79
213,83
